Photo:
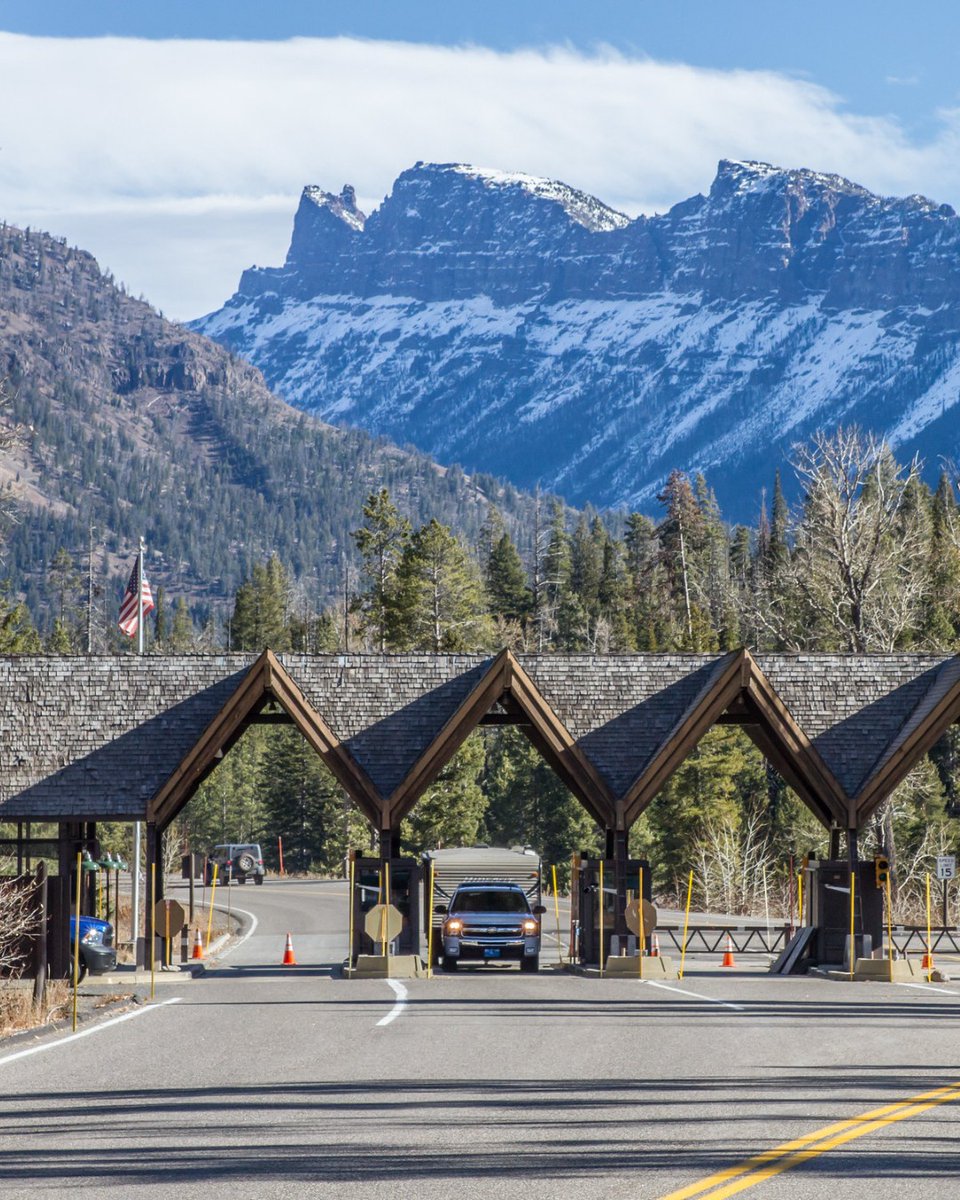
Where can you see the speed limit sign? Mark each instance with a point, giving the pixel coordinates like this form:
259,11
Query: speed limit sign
946,866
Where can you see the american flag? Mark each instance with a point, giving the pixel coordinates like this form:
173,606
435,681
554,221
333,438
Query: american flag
129,619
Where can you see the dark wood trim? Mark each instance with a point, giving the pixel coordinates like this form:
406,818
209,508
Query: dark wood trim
265,680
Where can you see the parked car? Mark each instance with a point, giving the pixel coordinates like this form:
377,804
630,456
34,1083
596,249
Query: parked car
491,921
238,861
97,951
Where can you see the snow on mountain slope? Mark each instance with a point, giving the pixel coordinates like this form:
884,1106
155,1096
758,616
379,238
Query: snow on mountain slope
523,328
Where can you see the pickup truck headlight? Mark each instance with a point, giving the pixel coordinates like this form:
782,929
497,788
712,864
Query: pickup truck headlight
92,937
530,927
453,926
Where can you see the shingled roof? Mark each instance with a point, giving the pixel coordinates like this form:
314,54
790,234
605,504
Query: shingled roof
100,737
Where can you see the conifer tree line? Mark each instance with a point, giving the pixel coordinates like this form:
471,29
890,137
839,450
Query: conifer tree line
868,559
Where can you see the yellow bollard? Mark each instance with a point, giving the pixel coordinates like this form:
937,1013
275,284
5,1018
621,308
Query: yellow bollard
686,921
556,909
350,917
386,945
76,942
642,943
213,892
853,936
929,947
153,930
889,926
430,926
601,919
800,897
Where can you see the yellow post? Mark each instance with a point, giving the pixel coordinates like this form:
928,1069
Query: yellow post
800,896
575,913
556,909
166,934
642,944
386,901
853,936
76,942
213,892
430,926
153,929
350,917
929,950
889,927
686,921
601,919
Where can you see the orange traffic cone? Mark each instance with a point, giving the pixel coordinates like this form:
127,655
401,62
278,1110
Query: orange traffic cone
927,964
654,946
728,953
197,945
288,958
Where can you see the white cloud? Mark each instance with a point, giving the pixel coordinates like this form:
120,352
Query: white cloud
180,162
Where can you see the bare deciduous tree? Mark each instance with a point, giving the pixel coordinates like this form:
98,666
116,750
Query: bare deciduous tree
857,576
17,921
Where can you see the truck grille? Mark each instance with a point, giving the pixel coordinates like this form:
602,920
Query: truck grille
507,931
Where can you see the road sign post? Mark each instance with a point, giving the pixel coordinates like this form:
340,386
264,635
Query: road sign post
946,870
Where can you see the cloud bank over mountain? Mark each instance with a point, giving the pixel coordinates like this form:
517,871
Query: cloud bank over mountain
176,161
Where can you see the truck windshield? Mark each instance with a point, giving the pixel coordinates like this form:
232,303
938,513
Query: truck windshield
490,902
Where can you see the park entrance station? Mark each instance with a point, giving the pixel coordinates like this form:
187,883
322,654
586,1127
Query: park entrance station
87,739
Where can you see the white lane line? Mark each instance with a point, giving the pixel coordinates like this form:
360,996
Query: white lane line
240,940
696,995
925,987
401,994
72,1037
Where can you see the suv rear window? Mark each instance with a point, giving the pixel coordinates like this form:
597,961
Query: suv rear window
493,901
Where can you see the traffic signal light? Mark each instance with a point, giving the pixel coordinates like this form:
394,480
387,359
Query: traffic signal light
881,870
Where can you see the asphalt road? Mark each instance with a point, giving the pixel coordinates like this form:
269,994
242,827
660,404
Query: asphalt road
263,1081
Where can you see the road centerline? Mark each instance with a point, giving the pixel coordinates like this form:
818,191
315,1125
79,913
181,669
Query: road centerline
399,1005
760,1167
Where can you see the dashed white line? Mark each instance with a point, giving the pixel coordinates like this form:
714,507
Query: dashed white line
72,1037
401,994
696,995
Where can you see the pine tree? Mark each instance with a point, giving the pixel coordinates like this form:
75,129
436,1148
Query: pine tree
381,541
506,581
451,810
438,602
261,608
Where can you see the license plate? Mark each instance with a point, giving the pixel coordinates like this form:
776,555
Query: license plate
491,953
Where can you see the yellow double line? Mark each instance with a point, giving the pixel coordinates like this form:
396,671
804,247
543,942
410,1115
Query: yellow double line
792,1154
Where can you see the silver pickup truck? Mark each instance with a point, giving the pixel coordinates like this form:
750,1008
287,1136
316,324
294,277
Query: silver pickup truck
490,921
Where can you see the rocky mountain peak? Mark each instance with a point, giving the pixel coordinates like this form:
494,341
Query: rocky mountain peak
518,325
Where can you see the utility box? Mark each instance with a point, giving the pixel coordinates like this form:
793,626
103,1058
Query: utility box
369,890
587,903
827,901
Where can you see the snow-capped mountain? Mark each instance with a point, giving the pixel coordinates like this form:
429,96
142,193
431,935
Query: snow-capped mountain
521,327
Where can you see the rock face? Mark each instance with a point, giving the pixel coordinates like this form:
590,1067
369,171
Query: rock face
518,326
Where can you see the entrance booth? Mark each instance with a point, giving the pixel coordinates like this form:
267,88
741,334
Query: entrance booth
586,898
827,903
368,891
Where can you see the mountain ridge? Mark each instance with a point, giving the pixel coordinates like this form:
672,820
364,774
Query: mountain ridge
521,327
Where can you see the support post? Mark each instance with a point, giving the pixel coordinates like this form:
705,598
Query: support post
620,874
153,847
834,853
135,895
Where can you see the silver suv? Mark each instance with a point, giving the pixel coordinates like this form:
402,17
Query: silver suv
236,860
491,922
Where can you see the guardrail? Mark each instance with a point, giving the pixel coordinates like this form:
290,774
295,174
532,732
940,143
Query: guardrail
913,939
712,939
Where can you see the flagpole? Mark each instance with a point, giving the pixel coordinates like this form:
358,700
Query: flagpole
135,873
140,598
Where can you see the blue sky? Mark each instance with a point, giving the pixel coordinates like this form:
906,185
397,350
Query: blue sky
179,162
